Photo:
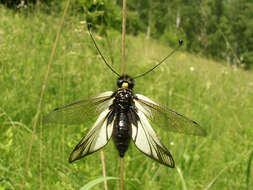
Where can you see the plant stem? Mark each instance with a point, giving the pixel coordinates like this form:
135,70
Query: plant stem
123,37
104,171
42,94
121,173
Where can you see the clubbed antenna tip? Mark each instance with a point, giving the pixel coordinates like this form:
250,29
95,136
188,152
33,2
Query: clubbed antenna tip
180,42
89,26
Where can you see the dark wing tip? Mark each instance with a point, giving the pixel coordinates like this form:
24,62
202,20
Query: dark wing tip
46,118
71,160
172,162
201,130
171,166
73,157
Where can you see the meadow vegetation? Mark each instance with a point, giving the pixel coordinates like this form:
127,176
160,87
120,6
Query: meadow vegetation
217,96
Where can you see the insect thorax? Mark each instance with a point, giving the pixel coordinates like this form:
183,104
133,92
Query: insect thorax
123,99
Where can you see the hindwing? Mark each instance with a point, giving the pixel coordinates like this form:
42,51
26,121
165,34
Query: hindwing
96,138
146,140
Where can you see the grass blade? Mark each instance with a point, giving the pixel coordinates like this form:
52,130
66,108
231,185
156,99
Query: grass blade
97,181
248,170
182,178
42,95
102,157
216,177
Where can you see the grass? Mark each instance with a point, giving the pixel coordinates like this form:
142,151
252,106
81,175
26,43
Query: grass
218,97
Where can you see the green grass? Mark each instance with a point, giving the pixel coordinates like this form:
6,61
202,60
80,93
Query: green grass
220,98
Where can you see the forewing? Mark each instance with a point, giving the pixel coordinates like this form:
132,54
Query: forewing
160,115
96,138
80,111
147,141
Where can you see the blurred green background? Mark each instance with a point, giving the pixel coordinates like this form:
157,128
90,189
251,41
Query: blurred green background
209,80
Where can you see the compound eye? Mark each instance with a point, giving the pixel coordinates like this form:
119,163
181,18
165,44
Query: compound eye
131,84
119,83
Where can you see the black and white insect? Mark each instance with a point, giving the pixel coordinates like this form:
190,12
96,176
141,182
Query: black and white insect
123,116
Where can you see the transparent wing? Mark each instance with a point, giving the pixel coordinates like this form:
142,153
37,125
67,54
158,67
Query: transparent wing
147,141
80,111
96,138
160,115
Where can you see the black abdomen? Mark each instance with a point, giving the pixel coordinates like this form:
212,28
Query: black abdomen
122,132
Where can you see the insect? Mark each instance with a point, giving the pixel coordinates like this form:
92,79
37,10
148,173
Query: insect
123,116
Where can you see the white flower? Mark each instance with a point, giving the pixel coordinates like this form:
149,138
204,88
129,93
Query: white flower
192,68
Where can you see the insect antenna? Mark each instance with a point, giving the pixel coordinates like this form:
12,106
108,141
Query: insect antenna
89,29
179,45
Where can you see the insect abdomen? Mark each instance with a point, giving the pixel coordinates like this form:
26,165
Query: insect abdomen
122,133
